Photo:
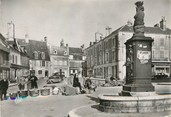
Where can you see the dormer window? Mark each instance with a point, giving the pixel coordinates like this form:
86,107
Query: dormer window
55,52
42,55
65,52
35,55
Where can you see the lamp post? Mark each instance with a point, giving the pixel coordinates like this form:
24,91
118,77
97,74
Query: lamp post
13,25
96,35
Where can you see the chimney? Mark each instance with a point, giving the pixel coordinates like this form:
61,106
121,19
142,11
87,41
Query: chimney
45,39
90,43
62,43
163,24
27,38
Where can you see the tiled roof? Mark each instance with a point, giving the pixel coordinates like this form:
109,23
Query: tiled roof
38,46
73,50
151,30
60,50
3,40
22,42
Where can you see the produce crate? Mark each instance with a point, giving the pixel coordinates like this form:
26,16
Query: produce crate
23,94
45,91
34,93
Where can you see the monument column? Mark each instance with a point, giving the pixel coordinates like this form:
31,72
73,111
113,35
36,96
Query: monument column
138,58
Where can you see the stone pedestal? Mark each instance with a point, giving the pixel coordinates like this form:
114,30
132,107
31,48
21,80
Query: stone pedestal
138,65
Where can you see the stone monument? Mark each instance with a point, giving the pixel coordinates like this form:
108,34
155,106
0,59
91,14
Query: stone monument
138,58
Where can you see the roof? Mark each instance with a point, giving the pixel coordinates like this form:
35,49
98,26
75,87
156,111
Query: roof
73,50
151,30
22,42
3,40
148,30
60,50
39,46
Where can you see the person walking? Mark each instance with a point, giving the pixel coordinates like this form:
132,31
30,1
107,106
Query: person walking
4,87
76,82
21,83
88,84
33,80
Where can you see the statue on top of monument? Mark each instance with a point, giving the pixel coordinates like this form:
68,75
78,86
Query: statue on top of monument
139,19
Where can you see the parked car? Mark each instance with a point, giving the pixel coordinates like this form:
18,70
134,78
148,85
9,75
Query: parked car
55,78
160,76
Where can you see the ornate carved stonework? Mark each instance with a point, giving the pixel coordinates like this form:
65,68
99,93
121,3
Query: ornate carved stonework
139,19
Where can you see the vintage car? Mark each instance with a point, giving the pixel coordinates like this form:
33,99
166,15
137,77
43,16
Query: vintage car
55,78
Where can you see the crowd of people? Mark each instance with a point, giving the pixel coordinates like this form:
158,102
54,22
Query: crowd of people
21,82
84,84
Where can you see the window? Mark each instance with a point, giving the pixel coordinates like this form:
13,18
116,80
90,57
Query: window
40,72
70,56
13,58
65,52
161,42
55,52
40,63
107,56
35,55
161,54
43,55
43,63
113,41
16,59
60,62
46,63
65,62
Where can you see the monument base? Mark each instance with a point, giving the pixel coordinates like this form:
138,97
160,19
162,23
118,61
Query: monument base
130,89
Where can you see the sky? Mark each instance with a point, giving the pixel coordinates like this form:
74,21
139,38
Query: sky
75,21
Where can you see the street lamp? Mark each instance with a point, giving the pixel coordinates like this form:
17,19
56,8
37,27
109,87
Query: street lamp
11,23
96,35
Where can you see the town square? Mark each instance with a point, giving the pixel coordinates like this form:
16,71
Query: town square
72,58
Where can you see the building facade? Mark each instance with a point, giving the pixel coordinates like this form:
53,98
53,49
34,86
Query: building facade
76,57
107,57
39,58
59,60
19,60
4,58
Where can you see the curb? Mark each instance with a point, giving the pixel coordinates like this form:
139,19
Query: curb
72,113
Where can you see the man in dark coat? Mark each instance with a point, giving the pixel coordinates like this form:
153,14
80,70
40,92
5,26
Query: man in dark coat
3,88
33,80
76,82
